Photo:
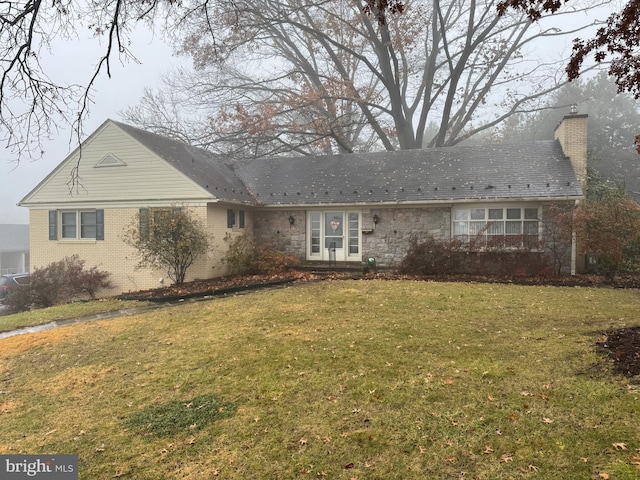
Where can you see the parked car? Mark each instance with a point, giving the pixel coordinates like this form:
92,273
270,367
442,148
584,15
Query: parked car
6,281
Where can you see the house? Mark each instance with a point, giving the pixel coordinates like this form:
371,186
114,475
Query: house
14,248
342,208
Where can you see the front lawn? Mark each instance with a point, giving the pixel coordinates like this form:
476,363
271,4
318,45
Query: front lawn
67,311
344,379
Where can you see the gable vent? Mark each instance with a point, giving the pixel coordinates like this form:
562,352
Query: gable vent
110,160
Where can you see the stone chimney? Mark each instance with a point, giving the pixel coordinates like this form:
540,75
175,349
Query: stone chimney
572,134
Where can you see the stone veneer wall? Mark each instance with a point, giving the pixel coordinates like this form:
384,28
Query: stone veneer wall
391,236
396,228
272,228
388,241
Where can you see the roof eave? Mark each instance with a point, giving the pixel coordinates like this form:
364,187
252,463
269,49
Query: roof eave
546,199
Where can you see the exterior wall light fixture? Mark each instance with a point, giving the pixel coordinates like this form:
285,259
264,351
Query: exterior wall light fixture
292,220
376,219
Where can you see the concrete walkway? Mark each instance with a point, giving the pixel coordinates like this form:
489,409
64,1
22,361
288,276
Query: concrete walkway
88,318
172,302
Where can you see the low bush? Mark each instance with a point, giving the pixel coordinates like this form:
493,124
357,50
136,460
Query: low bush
246,258
453,257
434,257
59,282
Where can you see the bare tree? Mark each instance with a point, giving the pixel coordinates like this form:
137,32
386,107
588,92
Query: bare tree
317,75
33,103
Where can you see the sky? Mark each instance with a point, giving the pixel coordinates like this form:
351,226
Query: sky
124,89
111,95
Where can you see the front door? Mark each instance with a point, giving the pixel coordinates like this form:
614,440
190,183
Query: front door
334,236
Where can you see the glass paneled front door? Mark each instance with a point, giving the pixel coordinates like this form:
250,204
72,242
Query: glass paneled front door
334,235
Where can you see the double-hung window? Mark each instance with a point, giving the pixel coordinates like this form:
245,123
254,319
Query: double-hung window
497,227
235,218
76,225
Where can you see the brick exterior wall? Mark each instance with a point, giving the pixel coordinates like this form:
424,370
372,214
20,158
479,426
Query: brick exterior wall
115,257
572,134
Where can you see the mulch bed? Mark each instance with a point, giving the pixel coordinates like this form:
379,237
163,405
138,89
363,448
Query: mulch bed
622,346
216,286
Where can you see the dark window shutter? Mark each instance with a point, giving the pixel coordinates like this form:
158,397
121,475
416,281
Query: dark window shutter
100,224
53,224
231,218
143,216
241,219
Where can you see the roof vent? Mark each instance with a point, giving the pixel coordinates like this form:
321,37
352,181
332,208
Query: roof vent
110,160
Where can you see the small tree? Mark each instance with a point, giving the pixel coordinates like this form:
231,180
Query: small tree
169,239
557,236
608,228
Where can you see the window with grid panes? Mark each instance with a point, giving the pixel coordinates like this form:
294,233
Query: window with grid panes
497,227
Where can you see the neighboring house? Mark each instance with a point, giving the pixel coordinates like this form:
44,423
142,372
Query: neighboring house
14,248
341,208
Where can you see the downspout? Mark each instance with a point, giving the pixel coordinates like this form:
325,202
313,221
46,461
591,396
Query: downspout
574,247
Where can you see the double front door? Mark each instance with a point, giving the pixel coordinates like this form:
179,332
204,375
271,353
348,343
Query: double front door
334,235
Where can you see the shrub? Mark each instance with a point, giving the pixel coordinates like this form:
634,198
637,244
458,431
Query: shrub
245,258
241,256
274,261
170,239
59,282
609,229
91,281
18,298
433,257
438,257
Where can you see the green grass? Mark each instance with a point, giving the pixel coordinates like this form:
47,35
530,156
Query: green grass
346,379
64,312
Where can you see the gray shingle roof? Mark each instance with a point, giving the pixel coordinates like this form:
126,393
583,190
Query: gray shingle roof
206,169
486,172
479,172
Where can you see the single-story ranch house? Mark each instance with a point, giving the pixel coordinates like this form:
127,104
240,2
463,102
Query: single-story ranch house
340,208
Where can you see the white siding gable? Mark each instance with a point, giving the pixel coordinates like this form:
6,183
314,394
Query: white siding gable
115,168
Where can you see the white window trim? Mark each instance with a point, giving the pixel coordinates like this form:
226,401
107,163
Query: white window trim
78,226
236,219
504,207
348,257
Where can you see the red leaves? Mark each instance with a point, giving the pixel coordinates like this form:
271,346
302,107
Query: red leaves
617,40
